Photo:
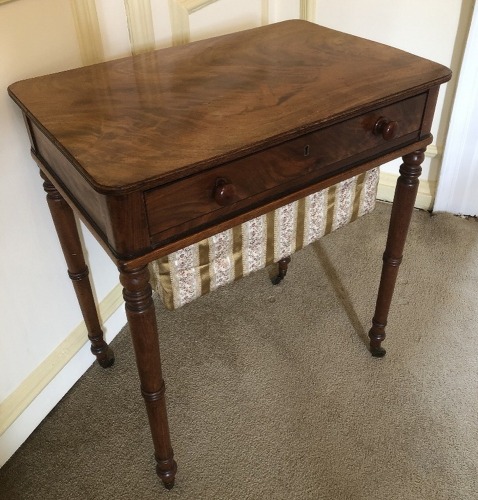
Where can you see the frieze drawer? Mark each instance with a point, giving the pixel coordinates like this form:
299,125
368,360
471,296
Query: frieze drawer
232,187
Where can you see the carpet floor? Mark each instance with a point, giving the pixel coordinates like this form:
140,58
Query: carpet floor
272,393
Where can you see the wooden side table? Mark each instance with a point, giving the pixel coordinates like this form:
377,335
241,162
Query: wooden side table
137,147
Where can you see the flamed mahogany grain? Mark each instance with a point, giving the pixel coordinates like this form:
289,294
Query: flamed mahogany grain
155,117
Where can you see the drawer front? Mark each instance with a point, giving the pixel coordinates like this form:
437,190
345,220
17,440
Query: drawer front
211,195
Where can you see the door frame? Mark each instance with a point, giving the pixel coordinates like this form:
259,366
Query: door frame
458,182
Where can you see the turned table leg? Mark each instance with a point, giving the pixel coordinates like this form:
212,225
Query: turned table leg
283,265
67,230
141,316
404,201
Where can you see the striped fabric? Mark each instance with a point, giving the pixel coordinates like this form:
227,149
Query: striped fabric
186,274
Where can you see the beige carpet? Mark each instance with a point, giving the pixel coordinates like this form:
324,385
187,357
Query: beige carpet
273,395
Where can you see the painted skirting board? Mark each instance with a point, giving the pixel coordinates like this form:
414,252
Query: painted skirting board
425,195
37,395
426,189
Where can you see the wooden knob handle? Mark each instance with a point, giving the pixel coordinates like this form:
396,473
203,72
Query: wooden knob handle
224,192
386,128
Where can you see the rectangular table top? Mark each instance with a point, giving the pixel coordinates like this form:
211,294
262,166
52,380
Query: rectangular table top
144,120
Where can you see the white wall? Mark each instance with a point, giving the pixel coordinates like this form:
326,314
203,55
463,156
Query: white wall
38,307
42,338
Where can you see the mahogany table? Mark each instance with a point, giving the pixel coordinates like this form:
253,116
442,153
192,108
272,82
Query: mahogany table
160,150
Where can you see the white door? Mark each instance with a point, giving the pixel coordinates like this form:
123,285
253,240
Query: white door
107,32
